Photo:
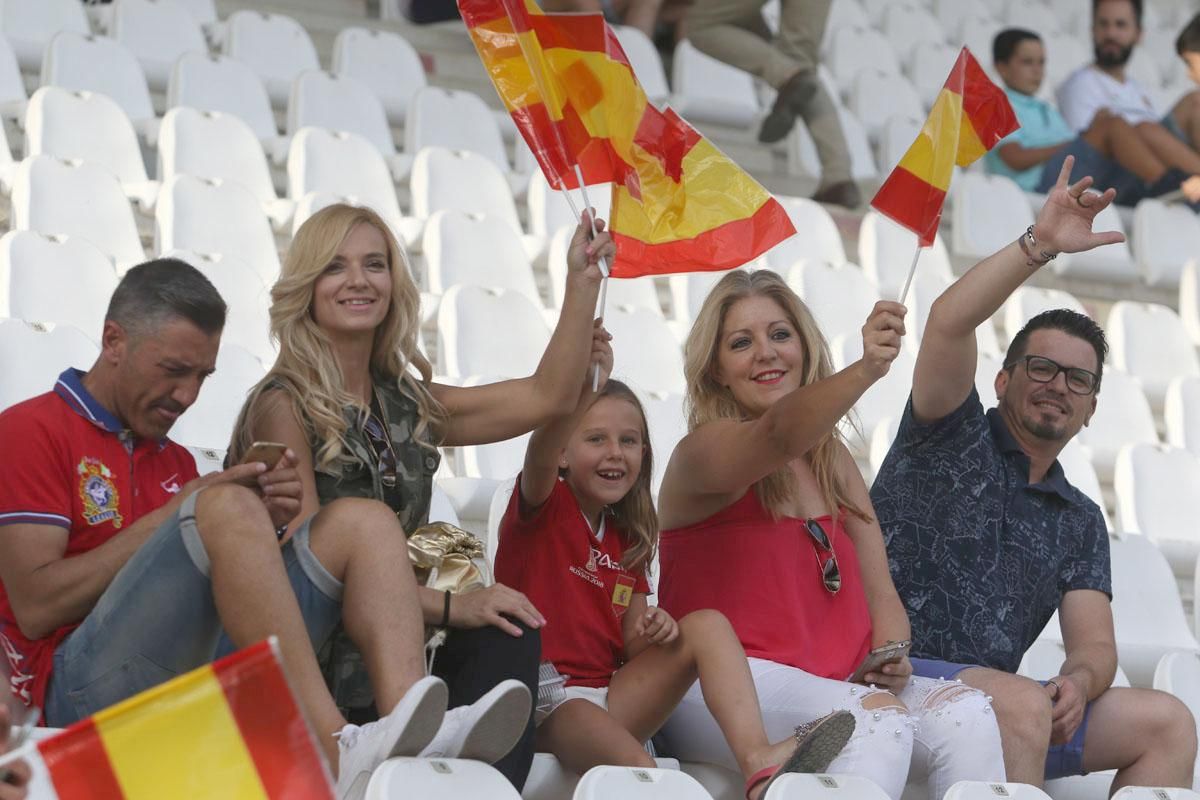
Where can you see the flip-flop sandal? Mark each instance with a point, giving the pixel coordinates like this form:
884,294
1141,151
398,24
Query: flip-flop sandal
817,745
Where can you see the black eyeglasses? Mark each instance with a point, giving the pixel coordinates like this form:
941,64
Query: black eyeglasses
1043,370
381,444
831,576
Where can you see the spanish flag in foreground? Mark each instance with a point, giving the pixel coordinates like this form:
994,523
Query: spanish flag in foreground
228,730
678,203
969,117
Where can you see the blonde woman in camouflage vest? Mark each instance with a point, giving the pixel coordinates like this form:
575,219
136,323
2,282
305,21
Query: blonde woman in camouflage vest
351,394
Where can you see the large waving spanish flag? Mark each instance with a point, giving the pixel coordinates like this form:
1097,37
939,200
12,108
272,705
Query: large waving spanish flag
679,204
970,115
228,730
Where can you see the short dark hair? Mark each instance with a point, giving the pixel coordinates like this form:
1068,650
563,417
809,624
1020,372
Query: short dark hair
157,291
1137,9
1188,40
1069,322
1006,41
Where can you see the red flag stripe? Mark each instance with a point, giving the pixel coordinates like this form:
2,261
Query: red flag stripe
274,731
719,248
985,105
79,765
912,202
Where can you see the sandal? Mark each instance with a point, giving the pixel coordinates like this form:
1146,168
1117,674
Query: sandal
817,745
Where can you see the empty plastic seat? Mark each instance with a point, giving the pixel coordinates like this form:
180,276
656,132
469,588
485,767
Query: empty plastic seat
875,96
76,199
688,290
90,127
1178,674
840,298
1165,237
248,301
928,67
709,90
276,47
646,63
495,461
1082,475
1181,413
885,251
220,83
886,398
157,33
203,11
1158,495
468,319
853,48
668,425
927,287
1064,54
817,237
1028,301
896,136
438,779
1122,417
647,354
549,210
911,27
802,153
210,420
987,209
385,62
808,786
1112,262
953,13
456,121
324,100
632,783
347,167
102,65
35,267
208,459
478,251
216,145
984,790
977,32
210,216
31,358
626,293
29,26
12,86
1148,340
1189,298
1037,15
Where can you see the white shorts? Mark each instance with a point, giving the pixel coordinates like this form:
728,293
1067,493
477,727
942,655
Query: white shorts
597,695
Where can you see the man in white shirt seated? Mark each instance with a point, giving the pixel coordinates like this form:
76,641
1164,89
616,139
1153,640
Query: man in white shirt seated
1102,88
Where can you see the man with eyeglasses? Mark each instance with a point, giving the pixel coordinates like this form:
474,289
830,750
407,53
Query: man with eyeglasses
987,538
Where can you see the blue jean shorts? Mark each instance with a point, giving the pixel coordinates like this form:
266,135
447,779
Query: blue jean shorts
157,619
1106,173
1062,760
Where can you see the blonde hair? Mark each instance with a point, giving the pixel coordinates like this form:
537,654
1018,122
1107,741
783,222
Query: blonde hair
635,511
307,368
709,400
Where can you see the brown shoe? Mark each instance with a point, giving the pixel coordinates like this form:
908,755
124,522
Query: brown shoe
790,102
842,193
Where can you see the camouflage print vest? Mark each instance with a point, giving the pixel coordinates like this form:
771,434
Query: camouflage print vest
408,496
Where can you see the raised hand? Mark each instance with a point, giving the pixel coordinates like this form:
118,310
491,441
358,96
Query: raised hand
584,253
602,354
1064,225
881,337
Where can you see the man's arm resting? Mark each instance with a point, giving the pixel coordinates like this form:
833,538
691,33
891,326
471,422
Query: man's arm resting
1018,157
1087,628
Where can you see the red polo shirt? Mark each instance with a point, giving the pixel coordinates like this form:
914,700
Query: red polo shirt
574,579
68,462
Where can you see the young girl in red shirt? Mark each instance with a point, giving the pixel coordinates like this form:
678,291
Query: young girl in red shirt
576,538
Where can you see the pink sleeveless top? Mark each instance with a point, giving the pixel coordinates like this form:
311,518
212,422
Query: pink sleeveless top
764,576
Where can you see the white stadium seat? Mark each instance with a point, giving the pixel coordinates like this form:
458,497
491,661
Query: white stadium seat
1181,413
157,32
495,461
203,11
816,239
248,300
1148,340
469,318
840,298
623,293
708,90
1028,301
12,86
210,420
668,425
76,199
1122,417
981,790
216,145
89,127
985,212
688,290
927,287
35,268
875,96
635,783
385,62
646,63
1165,237
276,47
323,100
1158,496
1189,298
885,251
99,64
211,216
1156,792
477,251
1045,657
549,210
886,398
208,459
928,67
1038,16
809,786
438,779
646,353
220,83
454,120
841,14
32,358
1082,475
1178,674
1112,262
29,26
896,136
853,48
911,27
1064,54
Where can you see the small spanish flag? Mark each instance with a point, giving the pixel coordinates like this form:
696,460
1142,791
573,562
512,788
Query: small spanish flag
228,730
970,115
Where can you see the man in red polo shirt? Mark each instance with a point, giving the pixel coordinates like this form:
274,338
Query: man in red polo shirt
120,567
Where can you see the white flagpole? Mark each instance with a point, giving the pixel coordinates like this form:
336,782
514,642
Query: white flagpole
911,272
603,261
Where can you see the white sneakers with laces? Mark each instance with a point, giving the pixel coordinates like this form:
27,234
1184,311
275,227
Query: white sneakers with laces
487,729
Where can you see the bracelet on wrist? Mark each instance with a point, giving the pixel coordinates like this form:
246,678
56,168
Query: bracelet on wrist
1034,256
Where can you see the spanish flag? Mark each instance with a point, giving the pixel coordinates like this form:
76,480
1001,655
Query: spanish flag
970,115
228,730
678,204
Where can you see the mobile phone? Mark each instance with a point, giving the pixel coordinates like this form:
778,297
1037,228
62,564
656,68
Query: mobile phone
268,453
889,653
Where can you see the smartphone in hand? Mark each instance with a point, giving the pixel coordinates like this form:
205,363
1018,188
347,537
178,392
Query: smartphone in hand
268,453
889,653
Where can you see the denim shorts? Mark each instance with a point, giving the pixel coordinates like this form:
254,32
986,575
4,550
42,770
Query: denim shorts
1062,760
1106,173
157,619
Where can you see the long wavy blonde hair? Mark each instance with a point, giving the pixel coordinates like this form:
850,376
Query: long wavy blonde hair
307,367
709,400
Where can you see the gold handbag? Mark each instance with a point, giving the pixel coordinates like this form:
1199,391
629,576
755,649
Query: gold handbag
447,558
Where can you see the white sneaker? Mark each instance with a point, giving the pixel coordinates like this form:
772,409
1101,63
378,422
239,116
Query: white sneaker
404,732
485,730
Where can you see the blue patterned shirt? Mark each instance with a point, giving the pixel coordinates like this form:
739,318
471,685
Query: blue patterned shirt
980,556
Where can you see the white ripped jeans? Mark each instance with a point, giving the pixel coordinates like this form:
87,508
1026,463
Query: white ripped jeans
947,734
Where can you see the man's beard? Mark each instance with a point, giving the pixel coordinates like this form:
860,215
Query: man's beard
1107,58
